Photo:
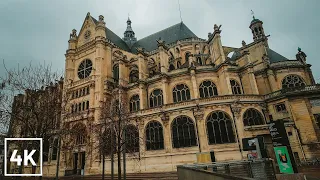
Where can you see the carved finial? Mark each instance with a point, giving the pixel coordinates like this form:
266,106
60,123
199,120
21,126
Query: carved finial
88,14
215,27
73,34
101,18
243,43
209,35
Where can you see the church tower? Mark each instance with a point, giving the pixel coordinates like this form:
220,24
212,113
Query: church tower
129,36
257,29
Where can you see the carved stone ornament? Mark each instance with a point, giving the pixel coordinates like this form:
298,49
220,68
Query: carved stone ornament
198,114
301,56
236,108
165,119
101,18
73,34
243,43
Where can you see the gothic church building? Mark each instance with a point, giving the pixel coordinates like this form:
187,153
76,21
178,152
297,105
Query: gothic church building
187,94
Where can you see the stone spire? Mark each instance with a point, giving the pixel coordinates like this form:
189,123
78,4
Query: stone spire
129,36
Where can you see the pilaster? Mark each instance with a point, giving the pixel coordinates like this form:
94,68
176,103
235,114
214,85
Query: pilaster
199,118
166,132
194,84
165,91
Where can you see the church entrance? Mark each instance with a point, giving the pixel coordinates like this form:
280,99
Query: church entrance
79,160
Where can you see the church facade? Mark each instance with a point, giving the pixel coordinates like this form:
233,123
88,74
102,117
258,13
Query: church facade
188,95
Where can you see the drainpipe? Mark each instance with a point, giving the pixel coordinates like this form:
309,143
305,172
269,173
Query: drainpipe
235,125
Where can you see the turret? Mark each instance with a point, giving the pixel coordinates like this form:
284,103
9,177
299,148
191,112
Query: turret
257,29
129,36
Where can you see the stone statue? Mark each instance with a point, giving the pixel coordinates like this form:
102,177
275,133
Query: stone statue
243,43
301,56
101,18
73,34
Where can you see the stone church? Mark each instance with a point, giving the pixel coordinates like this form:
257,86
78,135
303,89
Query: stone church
188,95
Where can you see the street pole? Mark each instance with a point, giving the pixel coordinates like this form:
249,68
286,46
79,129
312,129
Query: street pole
112,156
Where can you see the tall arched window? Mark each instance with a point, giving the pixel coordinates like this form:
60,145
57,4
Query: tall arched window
199,61
154,136
292,81
235,86
80,130
132,138
183,132
219,128
208,89
84,69
156,98
252,117
187,56
178,64
181,93
134,76
135,103
115,72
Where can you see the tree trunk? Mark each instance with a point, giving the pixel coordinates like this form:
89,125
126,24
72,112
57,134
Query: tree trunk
124,154
58,159
103,163
112,154
119,160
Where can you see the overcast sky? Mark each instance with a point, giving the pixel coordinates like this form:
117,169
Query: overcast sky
38,30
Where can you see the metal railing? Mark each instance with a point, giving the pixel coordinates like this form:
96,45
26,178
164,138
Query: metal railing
257,169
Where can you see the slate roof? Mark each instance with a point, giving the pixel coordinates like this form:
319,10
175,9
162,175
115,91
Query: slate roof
171,34
273,56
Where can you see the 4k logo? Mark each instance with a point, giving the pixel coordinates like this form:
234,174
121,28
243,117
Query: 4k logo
25,158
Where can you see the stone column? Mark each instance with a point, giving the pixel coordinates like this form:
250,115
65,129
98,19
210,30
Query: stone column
201,125
253,82
122,73
272,80
166,133
237,125
194,84
142,139
143,96
165,90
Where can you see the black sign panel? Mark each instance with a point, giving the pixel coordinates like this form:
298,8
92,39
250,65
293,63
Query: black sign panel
278,133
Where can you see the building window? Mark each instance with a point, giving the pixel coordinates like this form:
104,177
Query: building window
46,148
81,133
115,72
317,118
281,108
134,103
181,93
132,139
88,90
156,98
199,61
208,89
236,88
219,128
183,132
87,105
171,67
83,106
252,117
134,76
79,107
154,136
292,81
187,56
72,108
85,69
55,149
178,64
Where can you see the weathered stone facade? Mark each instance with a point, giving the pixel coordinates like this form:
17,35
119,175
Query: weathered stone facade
197,80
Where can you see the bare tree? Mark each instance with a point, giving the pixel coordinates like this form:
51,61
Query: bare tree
118,132
31,98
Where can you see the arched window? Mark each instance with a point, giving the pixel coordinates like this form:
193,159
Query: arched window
236,88
115,72
154,136
79,107
208,89
199,61
87,104
132,139
178,64
135,103
80,130
85,68
219,128
83,106
156,98
252,117
55,149
171,67
181,93
292,81
187,56
183,132
134,76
